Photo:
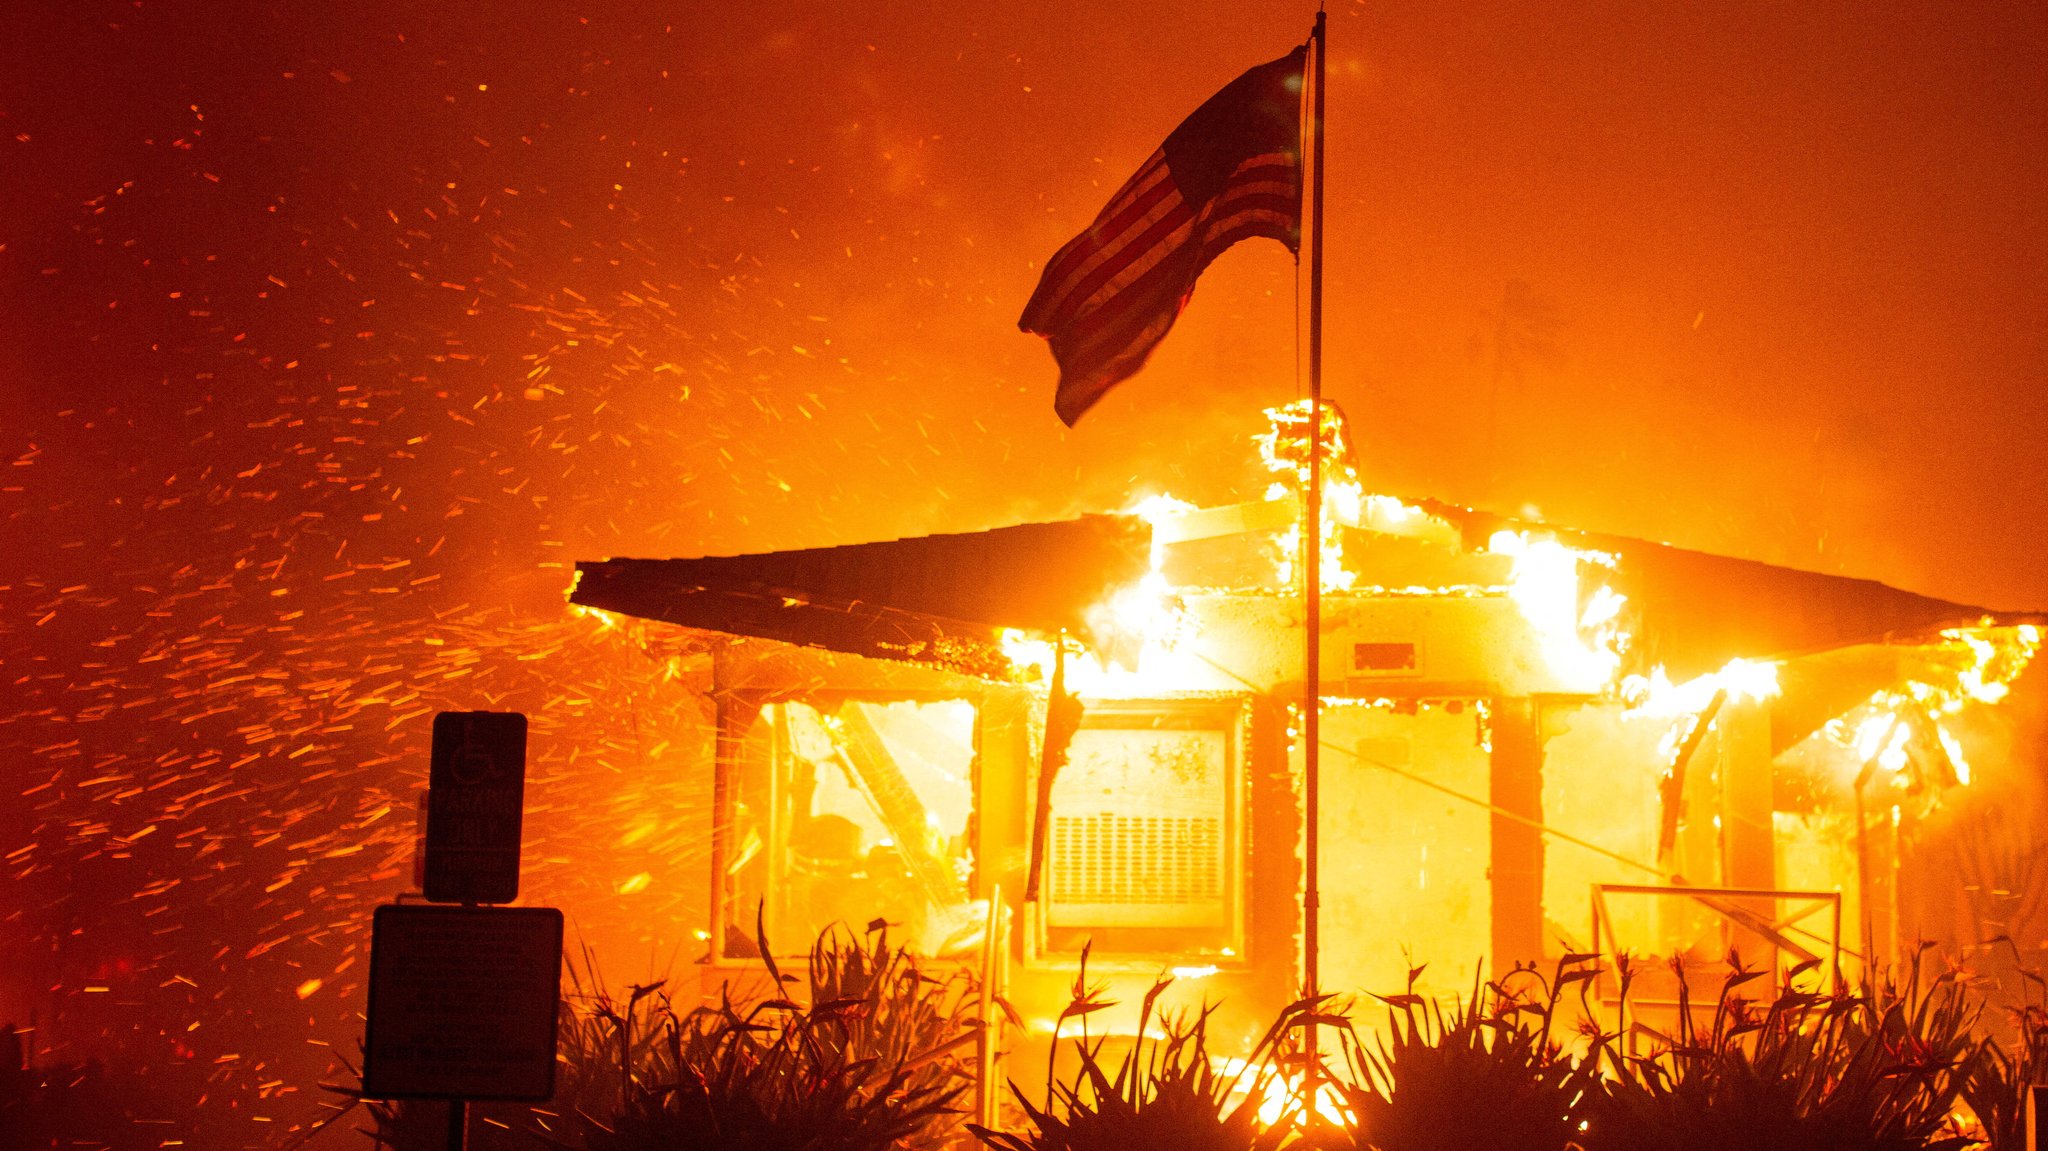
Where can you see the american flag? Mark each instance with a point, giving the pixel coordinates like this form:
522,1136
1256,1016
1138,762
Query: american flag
1231,171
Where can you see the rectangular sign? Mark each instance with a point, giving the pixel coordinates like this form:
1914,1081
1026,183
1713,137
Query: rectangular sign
463,1002
476,791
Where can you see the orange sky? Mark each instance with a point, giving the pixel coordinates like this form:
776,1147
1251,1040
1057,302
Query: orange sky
1781,270
331,335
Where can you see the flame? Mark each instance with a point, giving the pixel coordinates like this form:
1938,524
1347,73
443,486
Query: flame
1148,615
1280,1091
1985,660
1655,695
1389,515
1971,665
1153,509
1284,451
1580,626
1880,738
1893,757
1145,616
1581,642
604,619
1954,748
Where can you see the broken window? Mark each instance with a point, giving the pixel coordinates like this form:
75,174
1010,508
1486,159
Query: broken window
849,811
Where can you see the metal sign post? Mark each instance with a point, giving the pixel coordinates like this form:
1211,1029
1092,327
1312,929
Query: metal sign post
464,1000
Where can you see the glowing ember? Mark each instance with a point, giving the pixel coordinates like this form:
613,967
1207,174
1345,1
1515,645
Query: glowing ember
329,357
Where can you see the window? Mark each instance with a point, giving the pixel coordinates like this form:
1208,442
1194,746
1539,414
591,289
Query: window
1143,853
848,812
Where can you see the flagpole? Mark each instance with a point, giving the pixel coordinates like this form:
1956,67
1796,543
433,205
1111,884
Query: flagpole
1312,576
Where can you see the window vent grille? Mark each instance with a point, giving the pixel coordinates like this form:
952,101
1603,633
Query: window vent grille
1137,860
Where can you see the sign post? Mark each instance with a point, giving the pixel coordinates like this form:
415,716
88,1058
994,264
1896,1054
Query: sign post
463,1000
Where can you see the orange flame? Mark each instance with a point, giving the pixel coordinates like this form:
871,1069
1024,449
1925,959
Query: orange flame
1972,665
1581,632
1285,451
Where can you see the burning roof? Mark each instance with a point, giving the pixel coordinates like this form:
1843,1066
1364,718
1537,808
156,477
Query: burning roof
944,599
1695,611
1604,610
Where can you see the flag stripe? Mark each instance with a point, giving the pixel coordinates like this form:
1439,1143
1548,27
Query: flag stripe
1123,267
1139,197
1231,171
1113,339
1058,303
1118,337
1274,217
1071,285
1113,346
1079,392
1164,286
1102,331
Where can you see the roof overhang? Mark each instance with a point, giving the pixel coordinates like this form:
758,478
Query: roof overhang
939,600
1695,611
942,600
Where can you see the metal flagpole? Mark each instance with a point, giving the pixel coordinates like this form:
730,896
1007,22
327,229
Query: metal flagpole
1311,565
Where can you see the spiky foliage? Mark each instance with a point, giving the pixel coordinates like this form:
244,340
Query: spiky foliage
1997,1082
873,1061
1484,1074
1164,1094
876,1056
1879,1069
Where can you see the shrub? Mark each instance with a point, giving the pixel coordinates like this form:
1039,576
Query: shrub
1878,1070
1484,1075
1996,1084
1165,1094
873,1060
877,1056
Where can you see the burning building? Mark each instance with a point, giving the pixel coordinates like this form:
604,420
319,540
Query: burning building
1532,741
